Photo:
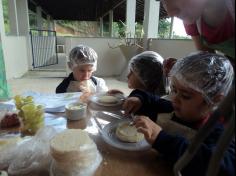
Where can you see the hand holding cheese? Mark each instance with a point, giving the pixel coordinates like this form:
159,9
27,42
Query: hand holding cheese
128,133
87,86
149,128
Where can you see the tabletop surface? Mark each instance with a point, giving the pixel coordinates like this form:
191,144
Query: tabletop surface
116,162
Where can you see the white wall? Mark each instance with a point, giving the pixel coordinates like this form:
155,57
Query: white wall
15,56
173,48
111,62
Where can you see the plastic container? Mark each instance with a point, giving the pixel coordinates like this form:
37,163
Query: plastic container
76,111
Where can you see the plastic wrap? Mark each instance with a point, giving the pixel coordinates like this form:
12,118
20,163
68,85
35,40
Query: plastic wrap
82,55
29,156
75,158
148,68
208,73
76,169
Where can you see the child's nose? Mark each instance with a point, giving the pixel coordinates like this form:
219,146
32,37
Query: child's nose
86,74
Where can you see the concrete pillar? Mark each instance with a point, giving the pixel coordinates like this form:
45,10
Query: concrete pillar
111,23
101,27
130,17
13,22
171,28
151,20
39,17
22,17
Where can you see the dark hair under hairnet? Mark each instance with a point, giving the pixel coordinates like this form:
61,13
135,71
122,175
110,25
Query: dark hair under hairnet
148,67
208,73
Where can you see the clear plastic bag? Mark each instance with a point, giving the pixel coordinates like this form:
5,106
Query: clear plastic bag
9,143
82,160
60,169
30,156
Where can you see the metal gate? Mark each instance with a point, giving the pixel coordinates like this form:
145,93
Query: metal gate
44,51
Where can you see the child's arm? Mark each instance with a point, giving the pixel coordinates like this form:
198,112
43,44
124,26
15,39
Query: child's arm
172,147
151,104
115,91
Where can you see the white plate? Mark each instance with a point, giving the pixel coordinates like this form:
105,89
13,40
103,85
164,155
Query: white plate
109,136
95,99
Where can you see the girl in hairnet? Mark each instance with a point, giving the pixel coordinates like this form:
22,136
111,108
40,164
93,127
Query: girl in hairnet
198,83
82,62
146,75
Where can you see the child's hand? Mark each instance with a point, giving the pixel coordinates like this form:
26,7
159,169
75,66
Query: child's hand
146,126
85,97
114,91
84,86
132,105
74,86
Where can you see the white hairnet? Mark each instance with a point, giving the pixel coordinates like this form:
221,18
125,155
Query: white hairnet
208,73
83,55
149,69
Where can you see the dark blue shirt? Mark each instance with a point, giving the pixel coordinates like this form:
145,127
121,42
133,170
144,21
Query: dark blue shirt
173,146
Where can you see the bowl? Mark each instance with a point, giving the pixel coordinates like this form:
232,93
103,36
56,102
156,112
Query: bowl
76,111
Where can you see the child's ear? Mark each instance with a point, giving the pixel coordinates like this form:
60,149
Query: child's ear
218,98
70,65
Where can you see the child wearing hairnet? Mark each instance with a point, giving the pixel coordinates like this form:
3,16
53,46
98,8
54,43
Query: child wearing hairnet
146,75
198,83
82,62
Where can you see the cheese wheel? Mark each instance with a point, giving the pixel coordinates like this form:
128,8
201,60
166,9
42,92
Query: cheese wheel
128,133
74,153
72,144
108,99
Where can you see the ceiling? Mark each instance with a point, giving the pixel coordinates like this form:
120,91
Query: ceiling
89,10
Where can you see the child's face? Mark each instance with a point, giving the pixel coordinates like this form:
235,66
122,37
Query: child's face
82,72
188,104
134,82
187,10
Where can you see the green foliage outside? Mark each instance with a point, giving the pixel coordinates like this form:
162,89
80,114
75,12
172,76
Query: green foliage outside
164,28
92,29
5,15
174,36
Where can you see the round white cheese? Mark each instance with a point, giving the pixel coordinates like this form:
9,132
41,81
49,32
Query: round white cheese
128,133
108,99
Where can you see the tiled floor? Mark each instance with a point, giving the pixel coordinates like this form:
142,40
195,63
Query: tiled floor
48,85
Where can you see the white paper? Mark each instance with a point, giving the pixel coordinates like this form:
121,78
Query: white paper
54,102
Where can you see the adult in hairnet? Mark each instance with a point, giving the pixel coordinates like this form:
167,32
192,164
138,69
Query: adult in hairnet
145,75
198,82
211,23
82,62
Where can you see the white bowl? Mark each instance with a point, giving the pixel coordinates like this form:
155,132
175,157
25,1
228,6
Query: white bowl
76,111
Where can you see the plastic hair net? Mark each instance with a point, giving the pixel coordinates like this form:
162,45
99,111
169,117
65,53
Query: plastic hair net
83,55
148,68
208,73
